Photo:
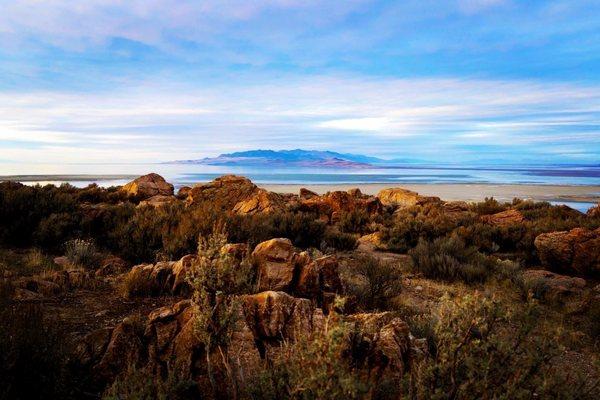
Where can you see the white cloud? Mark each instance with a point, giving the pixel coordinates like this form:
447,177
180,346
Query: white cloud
159,121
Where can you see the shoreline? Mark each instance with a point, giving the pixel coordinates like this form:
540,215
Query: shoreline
463,191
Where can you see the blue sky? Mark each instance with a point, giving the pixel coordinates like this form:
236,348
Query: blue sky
155,80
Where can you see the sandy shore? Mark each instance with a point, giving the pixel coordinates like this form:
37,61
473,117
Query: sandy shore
466,192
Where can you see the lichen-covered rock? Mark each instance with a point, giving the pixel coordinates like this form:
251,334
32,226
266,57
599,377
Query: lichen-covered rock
548,285
504,218
574,251
147,186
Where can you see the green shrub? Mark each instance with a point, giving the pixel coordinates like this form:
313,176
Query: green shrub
142,384
33,355
311,368
450,259
354,221
81,253
339,241
488,206
484,350
373,283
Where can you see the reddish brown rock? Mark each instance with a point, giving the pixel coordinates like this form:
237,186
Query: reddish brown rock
259,202
381,342
276,316
180,271
307,194
548,285
224,192
504,218
333,204
398,197
575,251
124,349
318,277
183,192
594,212
147,186
112,266
158,201
274,259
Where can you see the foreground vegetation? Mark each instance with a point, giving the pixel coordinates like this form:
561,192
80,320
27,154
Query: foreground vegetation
456,281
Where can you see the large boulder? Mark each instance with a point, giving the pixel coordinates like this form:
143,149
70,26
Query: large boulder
274,260
238,194
319,278
261,201
224,192
148,186
504,218
574,251
550,286
398,197
381,342
333,204
276,316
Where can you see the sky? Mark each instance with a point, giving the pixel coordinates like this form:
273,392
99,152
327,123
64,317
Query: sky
491,81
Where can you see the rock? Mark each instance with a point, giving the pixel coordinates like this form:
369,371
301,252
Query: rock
575,251
318,277
455,207
180,270
355,192
158,201
548,285
276,316
398,197
306,194
381,342
594,212
274,259
21,294
112,266
260,201
224,192
183,192
333,204
147,186
40,286
124,349
504,218
62,262
370,242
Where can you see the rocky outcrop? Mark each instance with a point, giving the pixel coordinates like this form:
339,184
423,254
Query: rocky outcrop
183,192
158,201
261,201
276,316
319,280
574,251
399,197
504,218
275,263
333,204
594,212
550,286
236,193
380,342
111,266
55,283
148,186
306,194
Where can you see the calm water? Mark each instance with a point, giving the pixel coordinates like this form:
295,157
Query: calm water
189,174
180,175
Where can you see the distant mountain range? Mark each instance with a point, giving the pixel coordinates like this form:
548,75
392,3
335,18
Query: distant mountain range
294,158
